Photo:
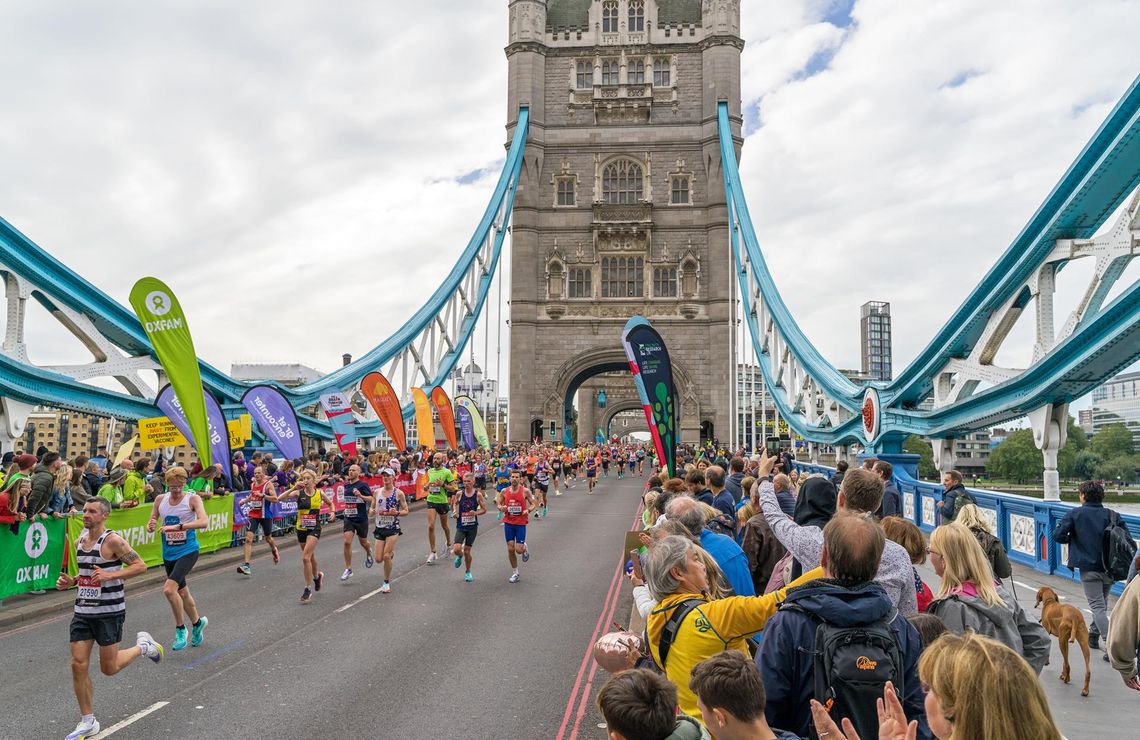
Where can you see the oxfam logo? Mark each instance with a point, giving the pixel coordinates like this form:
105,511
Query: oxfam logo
158,302
36,540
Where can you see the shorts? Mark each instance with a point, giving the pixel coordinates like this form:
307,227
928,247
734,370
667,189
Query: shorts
384,533
177,570
265,525
515,533
544,487
465,537
104,631
304,534
591,473
574,467
360,527
441,509
605,463
480,482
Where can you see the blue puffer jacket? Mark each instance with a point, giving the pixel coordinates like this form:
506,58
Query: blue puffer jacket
787,663
1082,529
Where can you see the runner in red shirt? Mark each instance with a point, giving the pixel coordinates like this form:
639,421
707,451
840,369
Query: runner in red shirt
516,503
261,494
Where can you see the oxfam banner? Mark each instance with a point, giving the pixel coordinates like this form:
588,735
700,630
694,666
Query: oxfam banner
161,316
131,525
30,559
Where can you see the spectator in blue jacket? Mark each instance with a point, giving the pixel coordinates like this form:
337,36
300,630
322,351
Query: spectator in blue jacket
953,490
735,478
1082,529
892,501
724,550
846,596
722,499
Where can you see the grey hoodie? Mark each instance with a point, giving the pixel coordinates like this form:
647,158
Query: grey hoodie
1005,623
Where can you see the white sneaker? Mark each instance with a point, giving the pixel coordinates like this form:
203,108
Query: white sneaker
84,730
514,578
346,574
148,647
431,558
385,589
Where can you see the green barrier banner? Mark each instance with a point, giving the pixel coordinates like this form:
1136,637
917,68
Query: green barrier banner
161,316
30,559
130,524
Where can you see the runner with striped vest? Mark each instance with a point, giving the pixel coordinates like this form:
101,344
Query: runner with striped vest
105,560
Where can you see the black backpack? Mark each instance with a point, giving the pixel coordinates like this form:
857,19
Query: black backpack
1118,549
852,666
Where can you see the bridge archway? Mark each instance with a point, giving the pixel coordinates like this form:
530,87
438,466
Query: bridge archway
575,371
623,408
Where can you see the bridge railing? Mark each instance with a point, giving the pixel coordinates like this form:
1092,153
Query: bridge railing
1023,524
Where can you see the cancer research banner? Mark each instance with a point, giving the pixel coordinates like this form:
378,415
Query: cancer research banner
169,404
480,429
653,375
446,417
165,324
386,403
275,418
425,428
466,426
339,412
30,559
131,525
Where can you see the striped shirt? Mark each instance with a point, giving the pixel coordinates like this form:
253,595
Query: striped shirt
92,598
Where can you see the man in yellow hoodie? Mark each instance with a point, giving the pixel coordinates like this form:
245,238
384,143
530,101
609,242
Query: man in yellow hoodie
676,577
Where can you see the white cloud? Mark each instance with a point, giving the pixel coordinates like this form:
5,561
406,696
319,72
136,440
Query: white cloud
282,164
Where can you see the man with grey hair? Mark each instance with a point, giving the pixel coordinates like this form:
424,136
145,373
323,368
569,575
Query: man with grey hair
700,628
862,492
727,554
782,484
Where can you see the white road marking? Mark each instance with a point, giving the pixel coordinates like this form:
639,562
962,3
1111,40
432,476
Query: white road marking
1026,585
132,719
351,604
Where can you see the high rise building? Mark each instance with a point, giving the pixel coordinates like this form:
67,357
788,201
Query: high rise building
1085,420
1117,401
875,339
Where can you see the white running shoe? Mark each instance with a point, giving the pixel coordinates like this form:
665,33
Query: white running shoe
148,647
346,574
385,589
84,730
514,578
431,558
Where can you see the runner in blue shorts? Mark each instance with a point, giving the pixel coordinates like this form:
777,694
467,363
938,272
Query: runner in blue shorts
516,504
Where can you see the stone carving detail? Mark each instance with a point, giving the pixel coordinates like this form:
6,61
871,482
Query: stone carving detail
908,506
928,511
1021,534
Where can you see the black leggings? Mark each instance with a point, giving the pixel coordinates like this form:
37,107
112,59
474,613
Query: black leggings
177,570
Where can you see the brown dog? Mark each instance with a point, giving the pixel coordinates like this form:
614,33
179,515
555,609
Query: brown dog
1064,621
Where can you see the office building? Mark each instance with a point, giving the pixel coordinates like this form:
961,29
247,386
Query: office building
1117,401
875,339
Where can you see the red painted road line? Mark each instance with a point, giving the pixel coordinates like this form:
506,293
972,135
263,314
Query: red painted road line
585,700
611,602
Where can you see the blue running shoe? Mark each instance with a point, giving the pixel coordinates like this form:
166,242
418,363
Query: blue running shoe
179,639
196,631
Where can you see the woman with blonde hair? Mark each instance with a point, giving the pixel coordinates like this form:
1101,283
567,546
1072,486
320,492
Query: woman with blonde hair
970,599
61,503
970,516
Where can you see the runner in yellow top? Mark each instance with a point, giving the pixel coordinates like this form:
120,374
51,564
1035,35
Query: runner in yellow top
308,498
441,484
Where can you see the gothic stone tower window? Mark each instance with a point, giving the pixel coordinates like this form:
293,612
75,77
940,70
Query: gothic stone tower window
610,16
623,277
636,15
622,183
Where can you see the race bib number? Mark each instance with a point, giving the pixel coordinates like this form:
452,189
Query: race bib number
308,521
350,510
255,504
350,499
433,489
175,538
514,509
385,522
89,588
467,519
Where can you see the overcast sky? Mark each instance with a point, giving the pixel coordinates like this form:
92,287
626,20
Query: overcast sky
303,174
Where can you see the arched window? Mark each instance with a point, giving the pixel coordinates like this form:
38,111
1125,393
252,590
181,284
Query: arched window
584,75
565,192
664,282
622,183
554,283
610,16
580,283
636,15
636,72
610,72
622,277
661,69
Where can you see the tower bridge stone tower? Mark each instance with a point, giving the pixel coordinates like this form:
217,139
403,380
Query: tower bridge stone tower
620,208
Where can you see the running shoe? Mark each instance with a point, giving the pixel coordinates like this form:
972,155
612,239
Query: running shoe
369,562
244,569
318,581
385,589
458,560
468,577
346,574
526,554
148,647
306,595
84,730
179,639
544,514
197,630
558,493
276,556
431,558
514,578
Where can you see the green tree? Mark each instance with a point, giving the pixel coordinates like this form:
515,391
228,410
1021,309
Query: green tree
916,445
1121,467
1075,443
1085,464
1017,458
1113,441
